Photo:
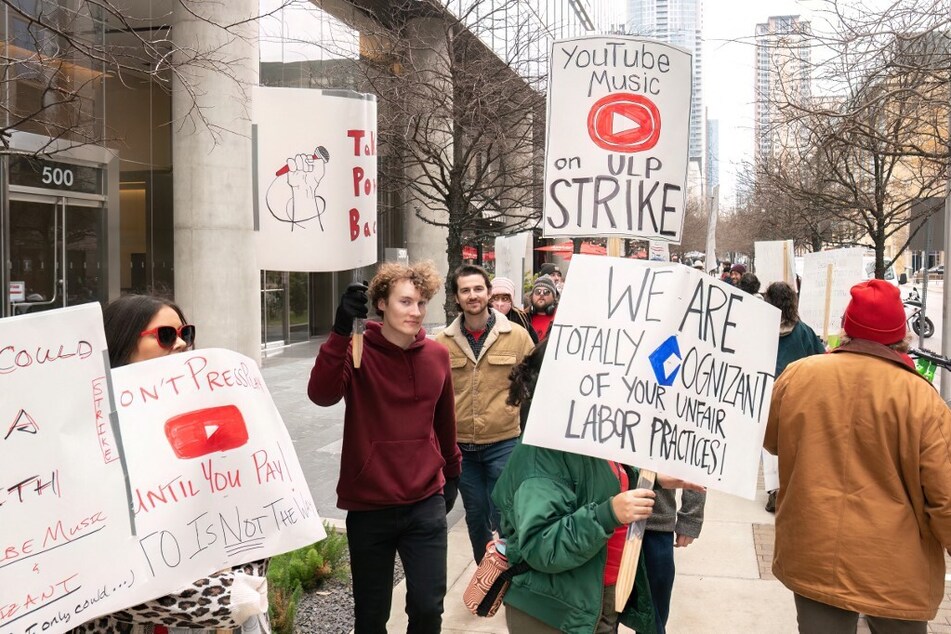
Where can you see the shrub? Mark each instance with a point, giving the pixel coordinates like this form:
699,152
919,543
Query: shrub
303,570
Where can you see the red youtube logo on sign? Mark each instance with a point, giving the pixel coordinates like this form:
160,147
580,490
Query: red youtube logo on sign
205,431
624,122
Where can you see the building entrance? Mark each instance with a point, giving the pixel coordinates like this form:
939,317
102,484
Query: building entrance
57,252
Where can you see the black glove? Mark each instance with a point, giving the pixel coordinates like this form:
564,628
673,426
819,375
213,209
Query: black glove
449,491
353,304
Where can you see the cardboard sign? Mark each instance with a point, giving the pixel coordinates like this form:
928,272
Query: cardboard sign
659,251
658,366
316,179
63,506
618,122
511,253
827,278
214,477
213,480
775,262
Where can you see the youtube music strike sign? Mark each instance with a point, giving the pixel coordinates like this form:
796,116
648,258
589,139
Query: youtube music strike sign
618,121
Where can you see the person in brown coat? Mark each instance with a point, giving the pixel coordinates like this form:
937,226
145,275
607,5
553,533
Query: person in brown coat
863,516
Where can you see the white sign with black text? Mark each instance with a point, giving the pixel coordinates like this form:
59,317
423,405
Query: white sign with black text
658,366
618,122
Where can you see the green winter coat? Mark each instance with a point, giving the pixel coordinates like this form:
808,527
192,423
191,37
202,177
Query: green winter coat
557,517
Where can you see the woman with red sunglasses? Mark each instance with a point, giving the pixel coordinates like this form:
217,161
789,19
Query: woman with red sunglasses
143,327
139,328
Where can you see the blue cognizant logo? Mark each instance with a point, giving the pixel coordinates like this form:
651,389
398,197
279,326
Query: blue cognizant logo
663,363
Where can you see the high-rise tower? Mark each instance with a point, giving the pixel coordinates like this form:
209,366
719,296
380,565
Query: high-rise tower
783,74
677,22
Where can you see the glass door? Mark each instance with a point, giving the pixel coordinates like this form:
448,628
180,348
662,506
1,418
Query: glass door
274,310
56,253
34,256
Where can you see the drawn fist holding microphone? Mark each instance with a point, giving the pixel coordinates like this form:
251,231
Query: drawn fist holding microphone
304,173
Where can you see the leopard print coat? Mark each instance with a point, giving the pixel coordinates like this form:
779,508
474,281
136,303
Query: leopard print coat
203,607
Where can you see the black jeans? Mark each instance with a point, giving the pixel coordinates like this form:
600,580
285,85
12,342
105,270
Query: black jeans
418,533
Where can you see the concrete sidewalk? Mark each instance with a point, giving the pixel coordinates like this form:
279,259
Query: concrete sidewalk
723,579
722,585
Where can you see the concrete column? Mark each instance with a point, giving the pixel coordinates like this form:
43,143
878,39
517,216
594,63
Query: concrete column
217,281
428,63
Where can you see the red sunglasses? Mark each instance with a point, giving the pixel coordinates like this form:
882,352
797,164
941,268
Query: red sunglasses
168,335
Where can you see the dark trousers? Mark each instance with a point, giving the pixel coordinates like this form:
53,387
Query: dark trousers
481,469
815,618
418,533
658,552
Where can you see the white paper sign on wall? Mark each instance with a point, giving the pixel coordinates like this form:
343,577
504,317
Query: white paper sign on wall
316,174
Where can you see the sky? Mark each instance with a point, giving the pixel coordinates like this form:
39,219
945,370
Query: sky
728,58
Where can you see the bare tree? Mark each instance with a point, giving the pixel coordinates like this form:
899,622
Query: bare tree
462,123
57,53
856,160
694,234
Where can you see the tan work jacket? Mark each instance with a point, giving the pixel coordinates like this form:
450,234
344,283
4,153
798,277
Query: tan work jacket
481,386
864,509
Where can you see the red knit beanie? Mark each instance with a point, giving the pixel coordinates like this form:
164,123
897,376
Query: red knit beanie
875,313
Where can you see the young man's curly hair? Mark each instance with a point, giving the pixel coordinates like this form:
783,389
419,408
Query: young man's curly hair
423,275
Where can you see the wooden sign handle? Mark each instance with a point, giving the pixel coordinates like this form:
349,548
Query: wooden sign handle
356,341
632,549
614,247
828,308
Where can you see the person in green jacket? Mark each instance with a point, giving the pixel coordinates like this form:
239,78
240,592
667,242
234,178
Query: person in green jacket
796,341
566,516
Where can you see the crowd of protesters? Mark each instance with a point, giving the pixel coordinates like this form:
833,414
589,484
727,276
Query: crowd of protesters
873,444
862,505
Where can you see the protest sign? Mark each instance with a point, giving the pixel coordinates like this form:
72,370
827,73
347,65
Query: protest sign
510,255
68,553
63,503
315,179
618,122
659,366
827,277
214,477
775,262
659,251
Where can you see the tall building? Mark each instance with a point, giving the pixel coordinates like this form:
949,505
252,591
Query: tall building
678,22
140,176
783,74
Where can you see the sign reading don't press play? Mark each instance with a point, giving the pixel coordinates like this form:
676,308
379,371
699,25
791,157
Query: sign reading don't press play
618,122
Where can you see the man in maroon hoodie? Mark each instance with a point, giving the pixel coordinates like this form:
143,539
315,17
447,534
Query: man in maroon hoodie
400,464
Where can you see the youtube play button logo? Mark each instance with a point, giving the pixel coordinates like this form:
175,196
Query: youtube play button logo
624,122
206,431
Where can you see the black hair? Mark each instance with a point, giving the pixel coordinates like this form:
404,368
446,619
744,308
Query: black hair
749,283
465,270
523,378
125,319
782,296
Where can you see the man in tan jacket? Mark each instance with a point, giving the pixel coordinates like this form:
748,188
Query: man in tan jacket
864,511
483,348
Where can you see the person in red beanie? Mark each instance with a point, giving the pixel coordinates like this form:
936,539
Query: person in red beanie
863,516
